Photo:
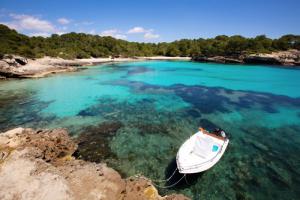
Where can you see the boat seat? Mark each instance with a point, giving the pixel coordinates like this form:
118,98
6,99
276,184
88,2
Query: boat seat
203,147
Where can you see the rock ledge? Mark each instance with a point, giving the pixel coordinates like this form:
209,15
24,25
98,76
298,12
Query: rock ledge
284,58
38,164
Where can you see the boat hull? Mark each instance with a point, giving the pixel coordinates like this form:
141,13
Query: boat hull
192,160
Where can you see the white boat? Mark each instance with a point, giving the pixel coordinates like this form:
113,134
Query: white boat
201,151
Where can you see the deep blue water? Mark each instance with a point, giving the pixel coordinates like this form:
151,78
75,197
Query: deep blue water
134,116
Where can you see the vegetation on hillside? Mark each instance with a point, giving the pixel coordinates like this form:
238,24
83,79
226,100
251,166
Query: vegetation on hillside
80,45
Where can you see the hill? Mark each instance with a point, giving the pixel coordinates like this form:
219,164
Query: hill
81,45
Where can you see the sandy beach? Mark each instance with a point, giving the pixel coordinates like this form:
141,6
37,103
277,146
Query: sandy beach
91,61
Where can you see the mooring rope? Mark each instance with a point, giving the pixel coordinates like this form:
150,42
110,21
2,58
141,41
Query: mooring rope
187,181
166,180
170,186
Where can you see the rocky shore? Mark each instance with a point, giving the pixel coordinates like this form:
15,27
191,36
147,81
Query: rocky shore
284,58
20,67
38,164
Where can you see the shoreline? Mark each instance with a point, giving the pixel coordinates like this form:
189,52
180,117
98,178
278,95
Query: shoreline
289,58
19,67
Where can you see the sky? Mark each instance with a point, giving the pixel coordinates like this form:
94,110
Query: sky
153,20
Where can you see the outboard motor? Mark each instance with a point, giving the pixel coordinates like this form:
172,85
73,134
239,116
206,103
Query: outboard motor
223,134
220,132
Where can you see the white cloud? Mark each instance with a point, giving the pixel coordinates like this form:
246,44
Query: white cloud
120,36
113,33
45,34
109,32
151,35
27,22
9,24
148,33
84,23
137,29
40,27
42,34
93,32
36,26
60,32
63,21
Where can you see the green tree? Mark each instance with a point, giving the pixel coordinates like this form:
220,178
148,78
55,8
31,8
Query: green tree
172,50
81,45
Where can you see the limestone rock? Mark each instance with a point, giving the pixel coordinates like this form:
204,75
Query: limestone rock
21,60
288,58
53,144
12,66
38,164
262,59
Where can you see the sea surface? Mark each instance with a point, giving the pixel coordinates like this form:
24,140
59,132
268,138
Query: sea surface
135,115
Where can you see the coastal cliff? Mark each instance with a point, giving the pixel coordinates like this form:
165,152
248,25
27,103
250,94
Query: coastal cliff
38,164
285,58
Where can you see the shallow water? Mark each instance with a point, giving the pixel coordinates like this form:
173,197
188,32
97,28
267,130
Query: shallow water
134,116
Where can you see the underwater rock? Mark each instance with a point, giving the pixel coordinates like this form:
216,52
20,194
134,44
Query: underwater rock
152,128
205,123
205,100
142,87
138,70
27,173
104,108
86,112
212,99
194,113
262,99
259,146
21,107
93,143
278,174
173,69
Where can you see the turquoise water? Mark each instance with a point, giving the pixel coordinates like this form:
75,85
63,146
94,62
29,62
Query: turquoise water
134,116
